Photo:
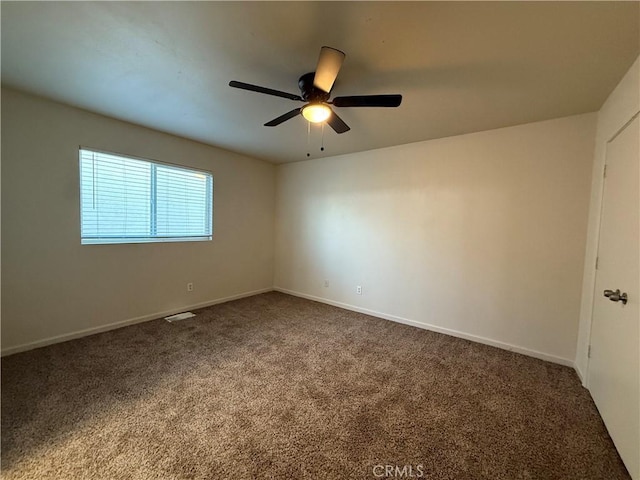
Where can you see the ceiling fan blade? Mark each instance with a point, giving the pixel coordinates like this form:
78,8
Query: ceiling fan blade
283,118
268,91
337,123
328,67
368,101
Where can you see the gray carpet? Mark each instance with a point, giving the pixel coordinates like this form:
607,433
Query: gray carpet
279,387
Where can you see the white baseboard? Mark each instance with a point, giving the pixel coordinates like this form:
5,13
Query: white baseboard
123,323
145,318
447,331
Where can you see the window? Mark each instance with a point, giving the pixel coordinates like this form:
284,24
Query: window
127,200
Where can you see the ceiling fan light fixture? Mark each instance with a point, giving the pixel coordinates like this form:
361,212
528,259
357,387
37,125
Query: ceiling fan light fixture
316,112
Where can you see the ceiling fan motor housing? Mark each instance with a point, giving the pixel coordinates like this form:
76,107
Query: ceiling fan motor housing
309,92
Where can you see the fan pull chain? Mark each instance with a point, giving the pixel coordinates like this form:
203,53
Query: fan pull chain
322,141
308,138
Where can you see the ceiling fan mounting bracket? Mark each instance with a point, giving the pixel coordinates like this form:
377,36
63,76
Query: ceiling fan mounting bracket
310,93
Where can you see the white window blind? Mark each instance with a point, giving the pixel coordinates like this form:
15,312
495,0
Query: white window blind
127,200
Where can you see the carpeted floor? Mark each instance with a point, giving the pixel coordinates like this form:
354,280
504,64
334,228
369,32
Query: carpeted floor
279,387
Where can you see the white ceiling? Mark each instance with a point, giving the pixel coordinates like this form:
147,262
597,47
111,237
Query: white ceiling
460,66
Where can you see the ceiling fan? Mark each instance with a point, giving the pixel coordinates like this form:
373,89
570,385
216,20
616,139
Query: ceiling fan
315,88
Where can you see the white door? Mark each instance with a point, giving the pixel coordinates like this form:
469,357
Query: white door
614,368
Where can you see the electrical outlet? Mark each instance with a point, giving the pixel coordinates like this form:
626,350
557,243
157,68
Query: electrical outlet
326,283
359,290
189,287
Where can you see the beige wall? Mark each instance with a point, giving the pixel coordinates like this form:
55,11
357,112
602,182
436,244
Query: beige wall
52,286
618,109
481,235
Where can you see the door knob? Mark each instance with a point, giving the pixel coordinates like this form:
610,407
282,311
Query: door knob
616,296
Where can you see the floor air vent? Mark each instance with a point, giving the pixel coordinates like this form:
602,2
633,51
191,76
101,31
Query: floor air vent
179,316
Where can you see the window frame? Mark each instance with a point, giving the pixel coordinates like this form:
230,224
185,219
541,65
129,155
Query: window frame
113,240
